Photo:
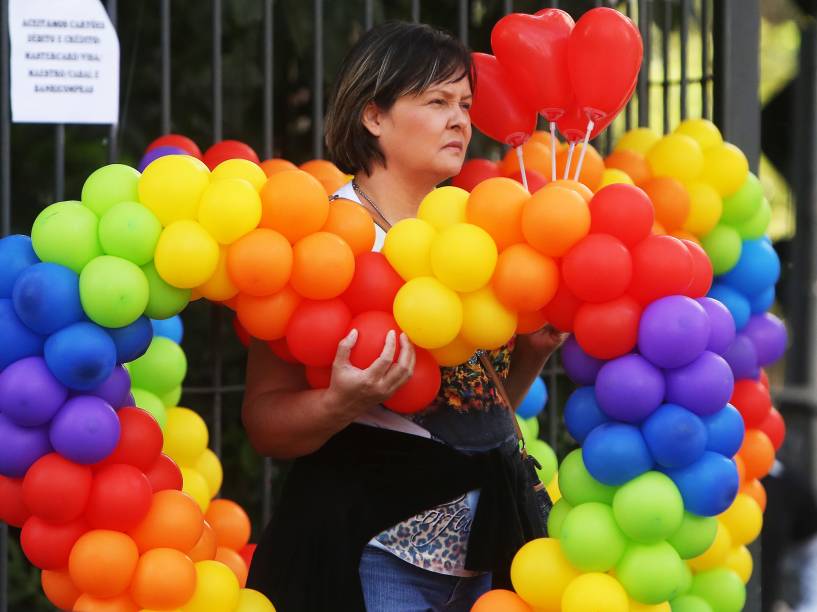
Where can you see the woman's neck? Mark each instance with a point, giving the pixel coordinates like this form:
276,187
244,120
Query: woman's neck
397,195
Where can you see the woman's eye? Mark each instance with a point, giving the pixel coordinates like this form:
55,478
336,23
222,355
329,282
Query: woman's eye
438,101
466,106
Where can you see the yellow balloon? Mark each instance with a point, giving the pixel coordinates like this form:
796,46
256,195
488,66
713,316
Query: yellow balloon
229,209
639,140
253,601
219,287
725,168
540,573
240,169
408,247
429,312
186,255
454,353
705,208
185,436
636,606
611,176
743,519
463,257
597,592
676,155
195,485
217,589
703,131
740,561
486,322
444,207
553,488
172,185
209,466
715,555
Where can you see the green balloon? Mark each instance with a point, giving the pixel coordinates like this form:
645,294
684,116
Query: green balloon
721,588
131,231
113,291
650,573
590,538
756,227
164,300
686,580
723,246
148,402
649,508
557,516
690,603
172,397
542,452
66,233
744,203
523,426
533,427
161,369
694,535
110,185
578,486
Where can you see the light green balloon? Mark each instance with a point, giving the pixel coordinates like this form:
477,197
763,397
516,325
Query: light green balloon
110,185
686,581
113,291
694,535
172,397
131,231
590,538
744,203
164,300
723,246
148,402
649,508
756,227
557,517
66,233
721,588
533,427
690,603
523,426
650,573
161,369
578,486
542,452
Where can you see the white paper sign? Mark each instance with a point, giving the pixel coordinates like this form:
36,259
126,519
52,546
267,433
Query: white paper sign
64,62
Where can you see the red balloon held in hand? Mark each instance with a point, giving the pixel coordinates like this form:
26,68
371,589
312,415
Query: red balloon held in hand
316,328
318,377
372,328
421,388
473,172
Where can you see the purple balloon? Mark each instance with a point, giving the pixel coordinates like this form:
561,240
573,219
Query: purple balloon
721,324
158,152
116,388
704,386
580,367
29,393
673,331
629,388
768,334
20,447
85,430
742,357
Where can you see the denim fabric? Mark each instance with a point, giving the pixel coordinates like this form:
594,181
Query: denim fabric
392,585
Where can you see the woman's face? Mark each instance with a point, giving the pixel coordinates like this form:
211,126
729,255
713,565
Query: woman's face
426,133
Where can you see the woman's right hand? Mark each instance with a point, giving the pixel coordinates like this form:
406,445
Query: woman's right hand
355,391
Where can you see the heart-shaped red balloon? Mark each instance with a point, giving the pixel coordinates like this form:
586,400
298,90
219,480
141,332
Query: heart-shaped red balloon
573,124
533,49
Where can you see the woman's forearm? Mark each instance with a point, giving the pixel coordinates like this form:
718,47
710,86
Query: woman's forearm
527,362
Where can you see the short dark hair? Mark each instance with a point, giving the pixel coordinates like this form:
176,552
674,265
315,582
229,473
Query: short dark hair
393,59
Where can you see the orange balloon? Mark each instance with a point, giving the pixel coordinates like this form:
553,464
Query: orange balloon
205,548
164,578
536,157
276,164
592,167
89,603
580,188
266,317
634,164
684,235
529,322
670,200
757,453
230,522
741,467
59,588
322,266
220,286
500,600
353,223
174,520
658,229
495,205
555,219
525,280
543,137
327,174
293,203
102,562
260,262
755,490
233,560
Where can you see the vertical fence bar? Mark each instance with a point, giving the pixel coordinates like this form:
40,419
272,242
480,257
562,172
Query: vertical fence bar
685,8
59,162
113,133
317,102
629,10
5,130
705,18
165,19
215,310
463,21
415,11
644,22
507,6
666,32
369,14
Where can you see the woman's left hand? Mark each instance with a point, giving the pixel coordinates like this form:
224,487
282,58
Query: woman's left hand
545,340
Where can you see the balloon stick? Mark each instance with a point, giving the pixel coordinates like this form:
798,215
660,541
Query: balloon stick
522,166
569,159
584,149
553,150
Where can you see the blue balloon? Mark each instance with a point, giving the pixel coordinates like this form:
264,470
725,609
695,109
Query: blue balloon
46,298
675,436
709,485
132,340
735,301
615,453
81,356
761,302
757,269
725,431
582,413
535,400
171,328
18,341
16,254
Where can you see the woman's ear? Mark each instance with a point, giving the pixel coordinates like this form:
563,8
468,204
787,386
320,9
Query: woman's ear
372,119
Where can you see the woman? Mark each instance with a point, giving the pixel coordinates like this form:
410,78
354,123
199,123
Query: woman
404,513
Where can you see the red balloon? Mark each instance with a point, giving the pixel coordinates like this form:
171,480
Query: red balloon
701,270
421,389
12,508
140,440
775,427
316,328
373,286
524,44
176,140
372,328
48,545
242,334
535,180
608,330
56,489
753,402
120,498
764,378
280,349
497,110
229,149
573,125
662,266
164,474
318,377
473,172
598,268
623,211
561,310
247,553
